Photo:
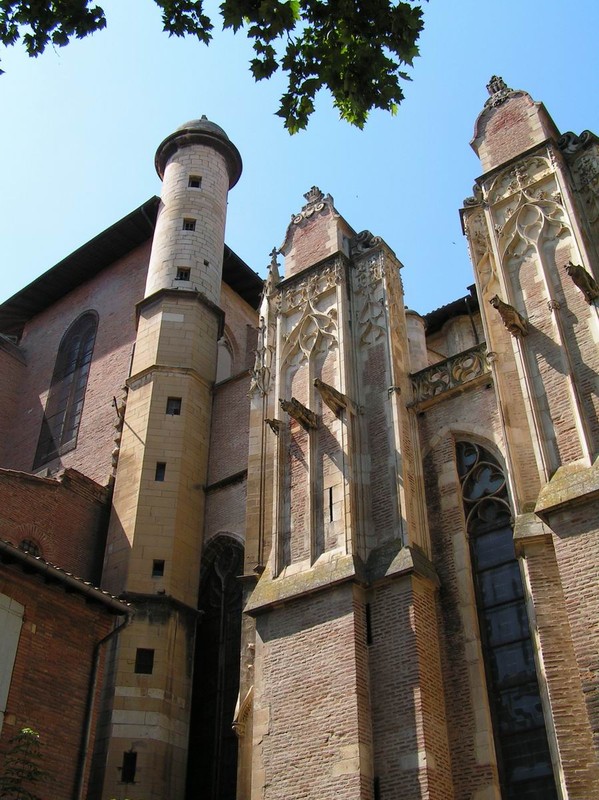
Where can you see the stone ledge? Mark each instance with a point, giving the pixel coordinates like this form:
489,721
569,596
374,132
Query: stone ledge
572,485
388,562
528,529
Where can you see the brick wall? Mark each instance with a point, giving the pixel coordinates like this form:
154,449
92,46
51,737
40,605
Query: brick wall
53,663
112,294
12,369
65,517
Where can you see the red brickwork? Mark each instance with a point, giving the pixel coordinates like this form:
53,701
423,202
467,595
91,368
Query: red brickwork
310,677
51,674
565,607
12,369
229,433
65,517
112,294
411,749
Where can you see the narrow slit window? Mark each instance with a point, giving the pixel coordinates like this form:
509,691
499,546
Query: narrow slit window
129,767
189,224
330,504
160,471
144,661
195,182
183,274
157,568
173,406
368,615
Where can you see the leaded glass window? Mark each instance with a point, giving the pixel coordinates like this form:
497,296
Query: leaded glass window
64,405
520,737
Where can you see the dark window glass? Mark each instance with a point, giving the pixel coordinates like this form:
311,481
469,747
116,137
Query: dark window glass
129,767
64,405
173,406
195,182
157,568
144,661
31,547
160,473
520,737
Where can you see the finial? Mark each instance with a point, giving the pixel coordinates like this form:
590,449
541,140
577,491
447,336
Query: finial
314,195
498,90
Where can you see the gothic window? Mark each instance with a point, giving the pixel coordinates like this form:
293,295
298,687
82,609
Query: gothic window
224,360
520,739
64,405
212,770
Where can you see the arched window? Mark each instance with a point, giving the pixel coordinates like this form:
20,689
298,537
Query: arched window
520,738
212,766
224,360
67,390
30,546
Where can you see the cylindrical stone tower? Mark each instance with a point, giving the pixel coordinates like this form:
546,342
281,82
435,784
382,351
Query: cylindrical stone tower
156,528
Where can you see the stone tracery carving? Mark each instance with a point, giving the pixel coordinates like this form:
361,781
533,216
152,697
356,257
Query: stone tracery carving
310,286
518,177
450,373
315,332
530,220
261,373
371,311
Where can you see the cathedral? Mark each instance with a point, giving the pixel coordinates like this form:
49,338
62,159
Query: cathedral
289,539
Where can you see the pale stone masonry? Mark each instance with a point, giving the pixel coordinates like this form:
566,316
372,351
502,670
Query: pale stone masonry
361,544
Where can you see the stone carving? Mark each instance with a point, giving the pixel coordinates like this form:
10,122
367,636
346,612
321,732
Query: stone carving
315,332
498,91
570,143
310,286
334,399
476,198
371,311
449,374
306,418
517,177
261,372
274,425
584,280
532,221
316,202
513,321
273,277
362,242
242,712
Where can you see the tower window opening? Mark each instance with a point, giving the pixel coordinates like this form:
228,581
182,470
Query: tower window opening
160,471
158,568
189,224
129,767
144,661
195,182
183,274
331,515
173,406
368,614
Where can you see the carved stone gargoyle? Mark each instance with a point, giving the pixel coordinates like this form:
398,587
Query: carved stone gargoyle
334,399
274,425
513,321
584,280
306,418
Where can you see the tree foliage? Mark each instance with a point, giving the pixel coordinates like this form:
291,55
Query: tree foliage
358,49
21,767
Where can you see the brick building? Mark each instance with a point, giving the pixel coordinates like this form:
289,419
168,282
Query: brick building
360,545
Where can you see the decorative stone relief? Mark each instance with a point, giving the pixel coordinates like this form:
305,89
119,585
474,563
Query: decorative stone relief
334,399
311,286
518,177
261,373
449,374
512,319
570,143
364,241
316,202
368,277
480,250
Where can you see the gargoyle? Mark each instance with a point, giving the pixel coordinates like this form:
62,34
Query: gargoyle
331,396
513,321
584,280
306,418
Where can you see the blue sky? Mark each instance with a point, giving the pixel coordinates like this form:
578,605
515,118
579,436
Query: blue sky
80,127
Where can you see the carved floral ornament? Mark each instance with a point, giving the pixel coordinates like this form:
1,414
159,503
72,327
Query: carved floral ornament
517,177
316,202
368,284
310,287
